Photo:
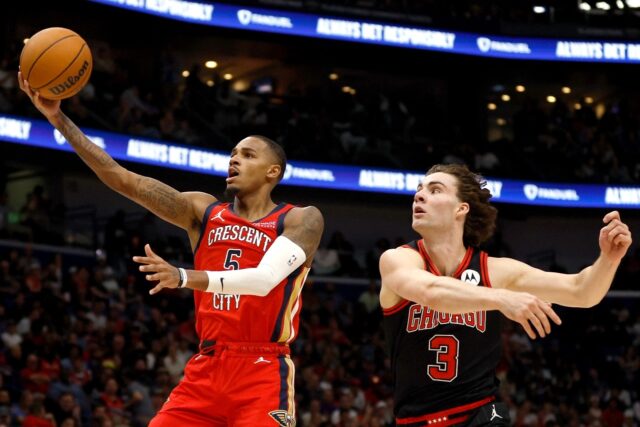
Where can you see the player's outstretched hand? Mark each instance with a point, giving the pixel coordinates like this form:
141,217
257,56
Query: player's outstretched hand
615,237
47,107
158,270
529,310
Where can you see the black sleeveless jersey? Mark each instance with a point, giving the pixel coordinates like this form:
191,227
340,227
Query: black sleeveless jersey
442,360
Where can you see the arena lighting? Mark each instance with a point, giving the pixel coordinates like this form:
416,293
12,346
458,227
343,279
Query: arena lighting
505,97
501,121
333,76
620,4
551,99
588,100
210,83
185,73
211,64
603,5
577,106
228,76
491,106
566,90
585,6
539,9
633,3
520,88
25,41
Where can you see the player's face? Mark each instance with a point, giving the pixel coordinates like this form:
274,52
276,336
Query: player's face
436,204
250,165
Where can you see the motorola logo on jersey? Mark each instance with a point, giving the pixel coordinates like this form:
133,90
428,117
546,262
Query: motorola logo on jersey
470,276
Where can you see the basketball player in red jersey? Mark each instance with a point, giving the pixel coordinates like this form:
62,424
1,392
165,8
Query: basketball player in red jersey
442,300
257,253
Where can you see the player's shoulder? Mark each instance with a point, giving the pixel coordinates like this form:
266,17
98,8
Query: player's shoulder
401,256
304,214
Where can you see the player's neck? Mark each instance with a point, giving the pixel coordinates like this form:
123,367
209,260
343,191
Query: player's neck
446,251
253,207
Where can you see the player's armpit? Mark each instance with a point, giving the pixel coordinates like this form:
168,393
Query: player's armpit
304,227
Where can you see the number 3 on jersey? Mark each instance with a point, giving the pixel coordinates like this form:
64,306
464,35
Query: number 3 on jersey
231,260
446,366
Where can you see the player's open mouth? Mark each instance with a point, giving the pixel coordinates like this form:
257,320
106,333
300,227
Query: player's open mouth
418,210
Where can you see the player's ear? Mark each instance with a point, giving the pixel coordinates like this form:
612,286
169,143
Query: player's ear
463,208
274,171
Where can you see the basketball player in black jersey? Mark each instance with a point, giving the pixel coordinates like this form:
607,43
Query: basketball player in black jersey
442,300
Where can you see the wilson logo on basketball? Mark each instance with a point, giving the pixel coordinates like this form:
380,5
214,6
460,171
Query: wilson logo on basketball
71,80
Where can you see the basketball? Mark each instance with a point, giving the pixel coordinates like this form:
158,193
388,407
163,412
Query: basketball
56,62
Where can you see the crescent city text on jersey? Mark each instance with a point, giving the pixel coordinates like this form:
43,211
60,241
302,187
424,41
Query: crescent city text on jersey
421,318
240,233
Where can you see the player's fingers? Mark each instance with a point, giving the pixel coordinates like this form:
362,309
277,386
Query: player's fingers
152,277
143,260
619,231
527,329
551,314
542,317
610,216
150,268
610,226
622,239
150,253
537,324
156,289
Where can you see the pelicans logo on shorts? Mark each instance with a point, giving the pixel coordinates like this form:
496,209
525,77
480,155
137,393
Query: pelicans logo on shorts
283,418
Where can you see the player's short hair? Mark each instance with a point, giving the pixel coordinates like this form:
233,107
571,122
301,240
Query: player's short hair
480,223
278,152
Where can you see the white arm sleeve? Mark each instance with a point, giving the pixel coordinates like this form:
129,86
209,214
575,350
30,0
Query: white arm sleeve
280,260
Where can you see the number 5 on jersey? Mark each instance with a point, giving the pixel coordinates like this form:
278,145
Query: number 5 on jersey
231,260
446,366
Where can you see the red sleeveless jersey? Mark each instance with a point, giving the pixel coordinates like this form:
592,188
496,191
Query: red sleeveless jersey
229,242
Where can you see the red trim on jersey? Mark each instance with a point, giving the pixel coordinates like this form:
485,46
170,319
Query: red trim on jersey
465,262
432,267
424,262
484,269
423,251
451,411
396,308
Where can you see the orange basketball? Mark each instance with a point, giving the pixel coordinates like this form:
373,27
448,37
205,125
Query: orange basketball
56,62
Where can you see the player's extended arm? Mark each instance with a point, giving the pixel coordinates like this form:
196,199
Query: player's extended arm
585,289
296,246
402,274
181,209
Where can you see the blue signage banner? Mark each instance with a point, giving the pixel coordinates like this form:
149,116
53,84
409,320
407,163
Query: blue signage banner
385,34
38,133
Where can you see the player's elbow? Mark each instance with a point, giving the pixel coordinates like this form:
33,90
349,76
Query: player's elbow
581,299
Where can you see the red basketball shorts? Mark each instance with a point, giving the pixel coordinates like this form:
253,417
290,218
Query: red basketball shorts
233,385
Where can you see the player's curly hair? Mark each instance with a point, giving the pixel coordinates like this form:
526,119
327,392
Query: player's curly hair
480,223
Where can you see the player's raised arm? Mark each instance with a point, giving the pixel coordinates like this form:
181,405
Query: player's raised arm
584,289
181,209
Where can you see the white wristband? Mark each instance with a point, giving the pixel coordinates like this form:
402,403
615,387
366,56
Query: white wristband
184,278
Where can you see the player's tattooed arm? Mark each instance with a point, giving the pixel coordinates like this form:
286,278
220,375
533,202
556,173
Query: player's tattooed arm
163,200
95,157
304,227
